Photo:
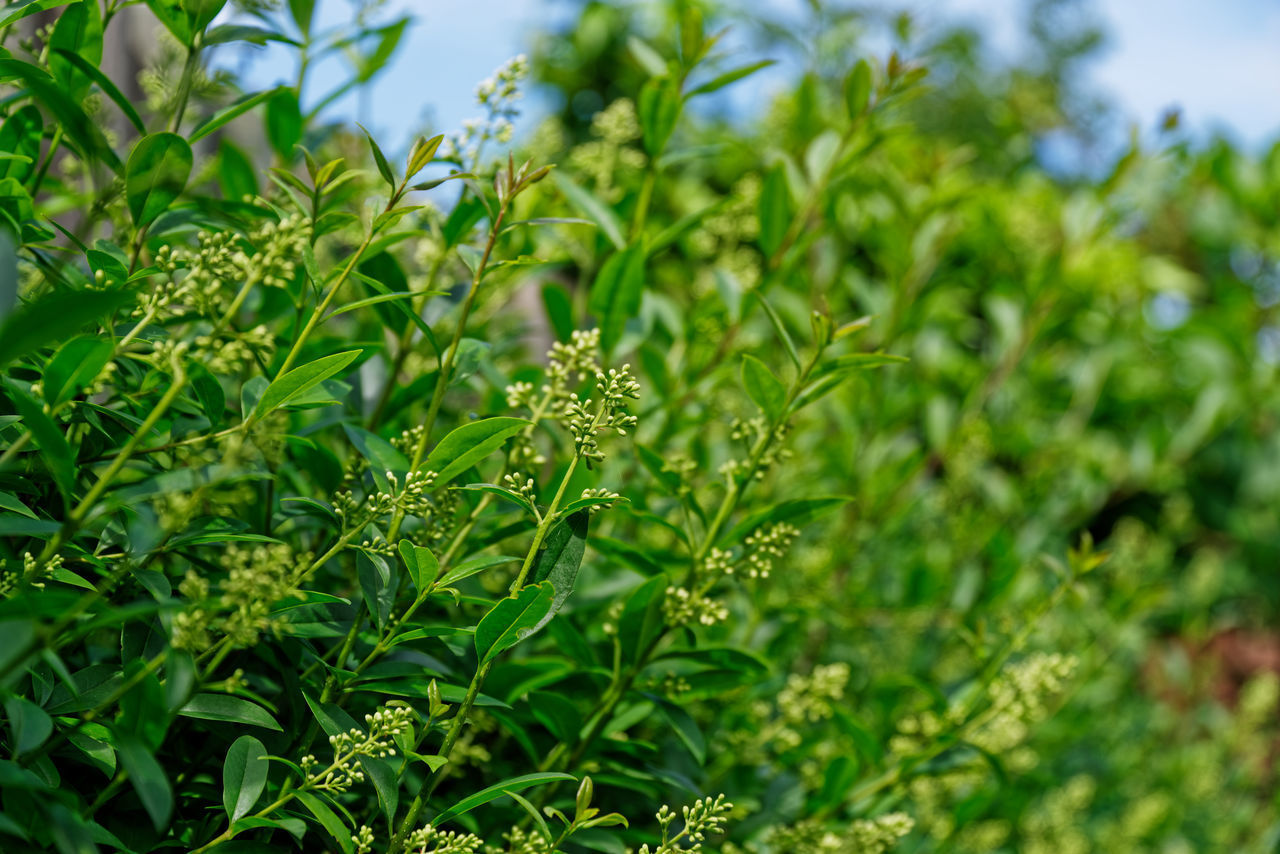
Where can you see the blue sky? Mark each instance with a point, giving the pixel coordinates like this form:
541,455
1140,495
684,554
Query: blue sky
1218,60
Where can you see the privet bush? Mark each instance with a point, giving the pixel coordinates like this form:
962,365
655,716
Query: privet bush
581,495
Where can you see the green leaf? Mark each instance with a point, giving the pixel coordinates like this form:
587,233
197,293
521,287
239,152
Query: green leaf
213,400
236,174
421,563
684,726
244,776
302,11
77,31
641,623
147,777
104,83
76,125
22,8
21,136
224,707
559,559
731,76
775,210
484,796
468,568
156,175
659,109
333,825
783,335
300,380
230,112
57,454
28,723
764,389
513,619
53,317
384,168
591,207
616,294
284,122
468,445
74,366
857,89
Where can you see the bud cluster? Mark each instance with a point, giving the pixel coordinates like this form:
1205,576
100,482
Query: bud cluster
349,747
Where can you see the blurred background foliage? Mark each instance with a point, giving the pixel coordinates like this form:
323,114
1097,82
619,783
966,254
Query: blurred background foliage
1094,355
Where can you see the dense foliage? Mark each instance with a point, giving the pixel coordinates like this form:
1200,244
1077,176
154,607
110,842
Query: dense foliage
832,480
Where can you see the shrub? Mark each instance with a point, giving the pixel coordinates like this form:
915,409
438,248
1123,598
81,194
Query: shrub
582,495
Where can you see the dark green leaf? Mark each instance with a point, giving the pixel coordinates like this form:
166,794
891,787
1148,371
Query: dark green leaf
244,776
147,777
468,445
484,796
764,389
28,724
224,707
284,122
616,294
300,380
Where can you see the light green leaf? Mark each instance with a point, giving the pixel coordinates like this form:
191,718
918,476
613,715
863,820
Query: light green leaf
513,619
468,445
594,209
301,379
421,563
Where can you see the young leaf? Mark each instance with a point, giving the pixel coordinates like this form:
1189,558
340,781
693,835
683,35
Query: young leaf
468,568
284,122
244,776
300,380
764,389
515,784
156,175
468,445
513,619
384,168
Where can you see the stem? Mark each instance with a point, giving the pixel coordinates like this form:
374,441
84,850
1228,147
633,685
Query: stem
184,83
328,298
446,366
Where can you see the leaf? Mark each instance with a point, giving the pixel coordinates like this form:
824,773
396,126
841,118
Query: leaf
594,209
658,108
79,31
648,58
616,294
797,512
857,89
284,122
484,796
74,366
302,378
224,707
502,492
76,125
559,559
641,622
684,726
468,568
53,318
228,113
57,454
104,83
22,8
333,825
421,563
778,327
764,389
147,777
156,175
384,168
376,585
731,76
513,619
468,445
28,723
213,400
775,210
857,362
244,776
821,155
